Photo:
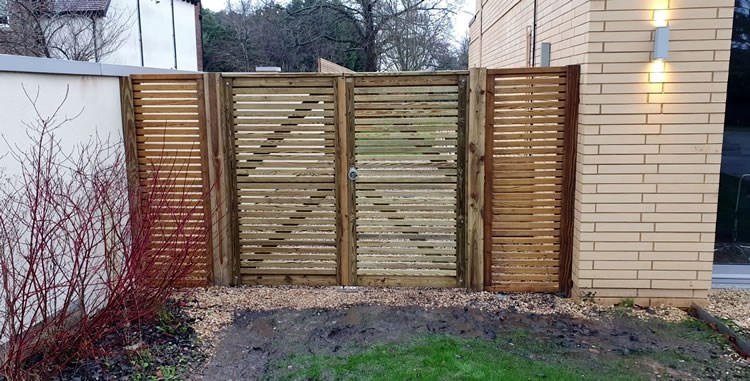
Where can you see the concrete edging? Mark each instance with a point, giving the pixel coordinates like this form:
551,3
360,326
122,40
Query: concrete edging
738,342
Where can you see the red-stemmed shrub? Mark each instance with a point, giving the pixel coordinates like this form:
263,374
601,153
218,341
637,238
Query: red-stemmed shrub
83,252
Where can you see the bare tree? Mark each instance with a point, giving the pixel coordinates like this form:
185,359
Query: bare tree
63,29
371,18
418,39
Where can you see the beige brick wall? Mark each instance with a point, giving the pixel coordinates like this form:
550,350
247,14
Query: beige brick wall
649,144
498,35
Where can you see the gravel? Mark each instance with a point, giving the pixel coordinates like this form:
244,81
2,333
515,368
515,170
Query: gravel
732,304
213,308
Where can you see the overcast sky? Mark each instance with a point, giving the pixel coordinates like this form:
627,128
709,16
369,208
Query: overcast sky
461,23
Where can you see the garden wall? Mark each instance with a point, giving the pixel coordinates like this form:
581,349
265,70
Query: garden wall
650,134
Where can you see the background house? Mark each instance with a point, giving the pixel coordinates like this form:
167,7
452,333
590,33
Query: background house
650,132
151,33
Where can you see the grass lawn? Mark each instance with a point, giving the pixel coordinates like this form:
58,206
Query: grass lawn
450,358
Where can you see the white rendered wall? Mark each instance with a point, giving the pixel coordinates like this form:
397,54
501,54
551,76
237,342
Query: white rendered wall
156,24
96,99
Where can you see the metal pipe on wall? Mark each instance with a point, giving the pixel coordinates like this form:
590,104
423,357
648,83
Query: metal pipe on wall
174,36
533,36
140,30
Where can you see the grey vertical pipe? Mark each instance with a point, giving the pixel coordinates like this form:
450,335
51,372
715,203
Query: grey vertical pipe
95,37
174,36
533,37
140,30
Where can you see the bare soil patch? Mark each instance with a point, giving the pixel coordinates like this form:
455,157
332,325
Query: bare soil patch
275,326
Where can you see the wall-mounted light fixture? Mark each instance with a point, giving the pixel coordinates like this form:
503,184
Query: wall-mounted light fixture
661,43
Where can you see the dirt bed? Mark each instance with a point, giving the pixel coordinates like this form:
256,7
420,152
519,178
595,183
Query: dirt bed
214,308
269,337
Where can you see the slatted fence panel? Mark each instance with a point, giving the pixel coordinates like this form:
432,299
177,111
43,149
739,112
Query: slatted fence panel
284,163
406,201
170,127
529,148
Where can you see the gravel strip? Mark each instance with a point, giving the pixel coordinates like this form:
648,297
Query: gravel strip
213,308
732,304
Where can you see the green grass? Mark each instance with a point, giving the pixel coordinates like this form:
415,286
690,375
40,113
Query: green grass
448,358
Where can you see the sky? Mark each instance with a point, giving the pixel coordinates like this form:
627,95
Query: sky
460,24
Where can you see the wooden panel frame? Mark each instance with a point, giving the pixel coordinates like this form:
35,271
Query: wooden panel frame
130,107
474,179
569,178
568,149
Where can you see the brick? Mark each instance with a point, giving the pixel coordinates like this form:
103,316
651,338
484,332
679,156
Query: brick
663,274
685,188
614,139
673,179
626,188
623,246
673,198
665,293
597,256
611,217
622,265
685,208
629,149
681,284
624,208
611,179
676,265
677,118
626,168
621,283
692,169
671,237
609,274
668,256
612,237
616,159
685,227
691,245
671,217
676,159
624,227
691,148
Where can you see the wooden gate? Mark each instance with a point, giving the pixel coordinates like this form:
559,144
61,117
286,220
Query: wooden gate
284,150
529,178
408,139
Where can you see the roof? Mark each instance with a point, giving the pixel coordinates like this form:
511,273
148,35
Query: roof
90,6
81,6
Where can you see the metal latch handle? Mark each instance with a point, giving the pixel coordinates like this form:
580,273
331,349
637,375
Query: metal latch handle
353,173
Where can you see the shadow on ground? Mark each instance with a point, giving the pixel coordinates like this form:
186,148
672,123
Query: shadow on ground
381,342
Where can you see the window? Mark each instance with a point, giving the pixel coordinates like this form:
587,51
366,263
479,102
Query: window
3,12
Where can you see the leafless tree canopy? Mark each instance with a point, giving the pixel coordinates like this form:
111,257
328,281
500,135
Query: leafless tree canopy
416,40
55,29
363,35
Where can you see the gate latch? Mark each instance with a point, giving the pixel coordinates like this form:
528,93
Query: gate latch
353,173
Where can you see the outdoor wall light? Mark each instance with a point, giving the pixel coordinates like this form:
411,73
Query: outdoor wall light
661,43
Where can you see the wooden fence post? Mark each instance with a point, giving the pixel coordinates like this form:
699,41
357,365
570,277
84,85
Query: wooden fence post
475,162
220,181
130,141
344,203
462,245
567,210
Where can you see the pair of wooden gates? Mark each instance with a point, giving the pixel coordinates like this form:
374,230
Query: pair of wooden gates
348,181
360,179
